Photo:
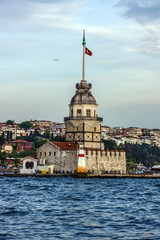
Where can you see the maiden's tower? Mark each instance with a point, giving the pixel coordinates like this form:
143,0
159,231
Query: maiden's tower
83,126
83,130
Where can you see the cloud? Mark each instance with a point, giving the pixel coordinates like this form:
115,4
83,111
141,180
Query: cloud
14,11
147,14
54,14
143,11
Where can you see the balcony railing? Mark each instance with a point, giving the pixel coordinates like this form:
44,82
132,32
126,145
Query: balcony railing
83,118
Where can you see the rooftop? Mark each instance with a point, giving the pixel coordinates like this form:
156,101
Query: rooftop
66,145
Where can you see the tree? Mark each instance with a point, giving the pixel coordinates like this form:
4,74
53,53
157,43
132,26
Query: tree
110,145
146,154
36,133
3,156
39,142
2,140
10,122
47,134
14,154
26,125
16,161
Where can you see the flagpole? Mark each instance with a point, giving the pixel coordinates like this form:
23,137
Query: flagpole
83,67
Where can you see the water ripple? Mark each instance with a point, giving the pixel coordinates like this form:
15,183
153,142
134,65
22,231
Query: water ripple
69,208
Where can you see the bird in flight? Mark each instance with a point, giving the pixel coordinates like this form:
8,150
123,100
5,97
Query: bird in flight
55,59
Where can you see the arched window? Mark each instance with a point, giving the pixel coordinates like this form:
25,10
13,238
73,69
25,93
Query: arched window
31,165
27,165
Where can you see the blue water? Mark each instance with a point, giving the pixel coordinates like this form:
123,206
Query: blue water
69,208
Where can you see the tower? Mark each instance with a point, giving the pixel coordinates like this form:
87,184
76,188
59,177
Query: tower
83,124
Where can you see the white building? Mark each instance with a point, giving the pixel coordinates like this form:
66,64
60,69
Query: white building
29,165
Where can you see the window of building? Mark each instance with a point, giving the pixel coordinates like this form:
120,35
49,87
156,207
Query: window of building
79,113
95,129
72,113
54,153
91,152
40,154
49,153
44,153
88,113
29,165
94,113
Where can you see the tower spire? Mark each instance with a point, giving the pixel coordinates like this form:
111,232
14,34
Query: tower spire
83,66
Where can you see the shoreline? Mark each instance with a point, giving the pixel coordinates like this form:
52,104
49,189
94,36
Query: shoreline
147,176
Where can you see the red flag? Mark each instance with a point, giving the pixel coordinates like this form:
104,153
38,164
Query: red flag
87,51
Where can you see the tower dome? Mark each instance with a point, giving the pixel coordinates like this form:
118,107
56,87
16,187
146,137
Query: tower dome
83,94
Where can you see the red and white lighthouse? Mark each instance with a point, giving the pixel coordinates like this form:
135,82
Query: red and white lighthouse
81,164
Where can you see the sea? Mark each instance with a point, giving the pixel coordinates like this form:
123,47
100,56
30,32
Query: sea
79,208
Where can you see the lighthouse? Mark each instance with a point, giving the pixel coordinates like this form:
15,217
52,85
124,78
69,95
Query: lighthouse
81,164
83,126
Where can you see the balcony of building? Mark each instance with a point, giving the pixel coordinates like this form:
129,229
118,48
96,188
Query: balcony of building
83,118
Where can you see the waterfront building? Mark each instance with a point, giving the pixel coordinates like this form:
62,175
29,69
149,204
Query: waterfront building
61,155
29,165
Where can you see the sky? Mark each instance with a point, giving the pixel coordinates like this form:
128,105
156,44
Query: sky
124,37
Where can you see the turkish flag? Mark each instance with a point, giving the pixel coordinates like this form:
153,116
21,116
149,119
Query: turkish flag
87,51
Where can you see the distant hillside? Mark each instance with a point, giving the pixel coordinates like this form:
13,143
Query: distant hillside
146,154
135,153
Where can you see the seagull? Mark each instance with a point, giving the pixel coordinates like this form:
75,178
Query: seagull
55,59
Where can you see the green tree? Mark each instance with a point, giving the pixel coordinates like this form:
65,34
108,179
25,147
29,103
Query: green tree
23,154
2,140
16,161
110,145
10,122
26,125
129,156
146,154
47,134
3,156
14,154
39,142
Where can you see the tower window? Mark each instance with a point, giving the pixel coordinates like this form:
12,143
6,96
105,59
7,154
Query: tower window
72,113
79,113
88,113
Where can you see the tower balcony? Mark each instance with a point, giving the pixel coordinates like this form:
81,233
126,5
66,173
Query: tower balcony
84,118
